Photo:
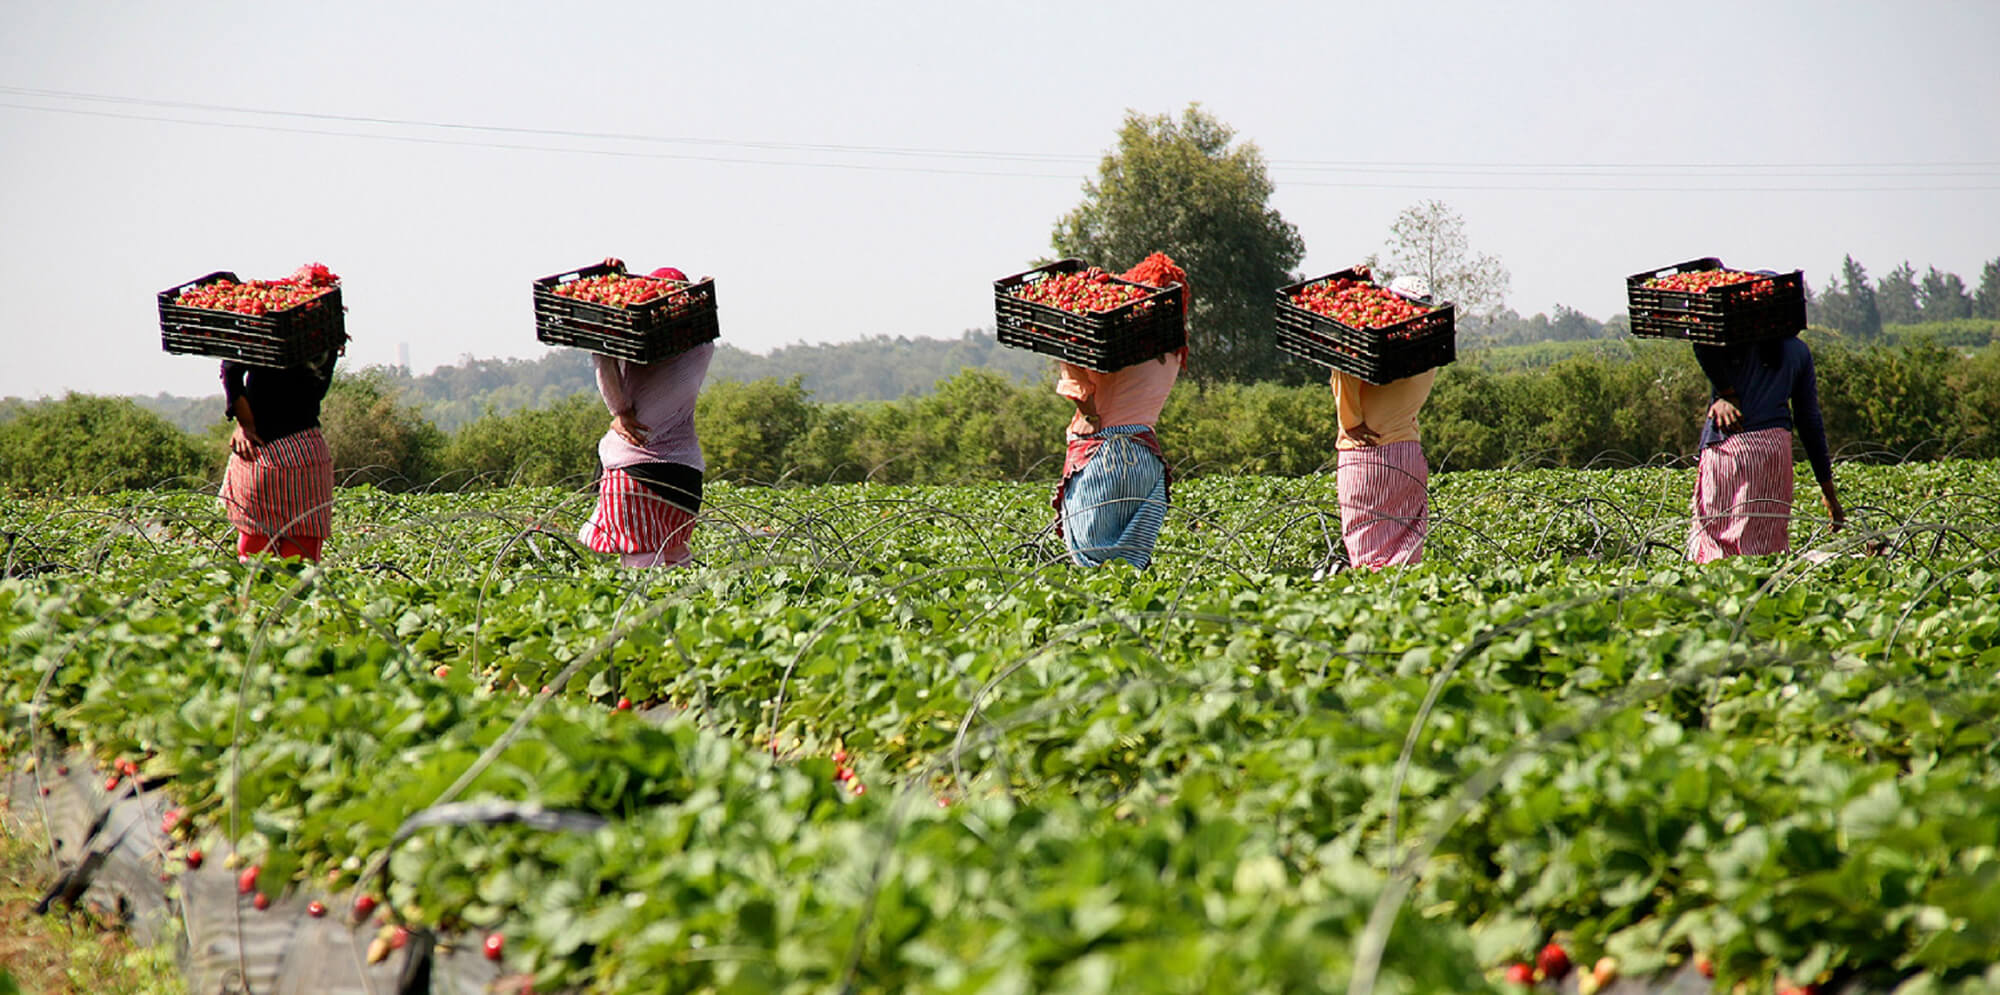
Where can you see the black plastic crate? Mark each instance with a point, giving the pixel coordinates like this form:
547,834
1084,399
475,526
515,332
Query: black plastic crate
1772,306
292,337
643,333
1376,355
1131,333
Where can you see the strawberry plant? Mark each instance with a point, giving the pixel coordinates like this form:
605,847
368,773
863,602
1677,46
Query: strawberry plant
1553,744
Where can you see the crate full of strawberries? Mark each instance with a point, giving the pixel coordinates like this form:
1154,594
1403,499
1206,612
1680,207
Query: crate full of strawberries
1704,302
1348,322
277,323
603,309
1081,314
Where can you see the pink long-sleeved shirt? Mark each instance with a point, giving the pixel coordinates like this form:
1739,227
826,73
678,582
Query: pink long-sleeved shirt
662,397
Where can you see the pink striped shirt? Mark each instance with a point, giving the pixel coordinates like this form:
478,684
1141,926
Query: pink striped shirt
662,396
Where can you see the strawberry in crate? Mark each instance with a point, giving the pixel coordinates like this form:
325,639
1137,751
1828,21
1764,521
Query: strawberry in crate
1357,303
258,297
618,289
1081,292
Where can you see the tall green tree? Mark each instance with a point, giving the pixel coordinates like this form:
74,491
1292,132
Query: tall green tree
1943,297
1187,188
1986,304
1896,296
1847,305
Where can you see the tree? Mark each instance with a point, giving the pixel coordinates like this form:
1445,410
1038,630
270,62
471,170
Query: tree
1428,242
747,430
1943,296
1181,188
1847,305
85,443
1896,296
555,446
374,438
1987,303
1567,324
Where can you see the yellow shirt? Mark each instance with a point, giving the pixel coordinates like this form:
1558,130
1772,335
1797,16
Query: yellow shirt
1131,396
1390,410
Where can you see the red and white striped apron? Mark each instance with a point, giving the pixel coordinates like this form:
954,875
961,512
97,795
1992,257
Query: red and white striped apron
1384,504
285,492
1743,497
632,520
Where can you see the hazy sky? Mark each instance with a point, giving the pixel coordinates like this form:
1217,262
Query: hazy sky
853,169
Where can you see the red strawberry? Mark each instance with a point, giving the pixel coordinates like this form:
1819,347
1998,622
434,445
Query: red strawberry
624,704
1553,960
246,882
261,902
316,908
364,906
494,944
1520,973
194,858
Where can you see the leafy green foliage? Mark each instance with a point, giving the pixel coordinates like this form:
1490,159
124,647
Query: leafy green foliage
87,443
1202,777
1186,188
374,437
531,447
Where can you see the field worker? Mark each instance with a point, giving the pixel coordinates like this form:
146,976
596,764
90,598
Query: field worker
1381,473
1743,483
650,490
278,487
1112,498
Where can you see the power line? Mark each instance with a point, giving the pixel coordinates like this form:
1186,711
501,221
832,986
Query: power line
548,132
1687,171
517,147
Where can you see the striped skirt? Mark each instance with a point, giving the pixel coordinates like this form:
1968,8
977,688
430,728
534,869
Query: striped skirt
633,520
1113,507
285,492
1742,497
1384,504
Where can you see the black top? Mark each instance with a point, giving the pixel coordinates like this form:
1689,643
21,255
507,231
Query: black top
1773,384
283,402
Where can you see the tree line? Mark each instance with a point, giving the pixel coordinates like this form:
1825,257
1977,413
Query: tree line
1569,394
1853,305
1608,404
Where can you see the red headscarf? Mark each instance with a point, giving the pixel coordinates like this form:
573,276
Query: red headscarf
1158,270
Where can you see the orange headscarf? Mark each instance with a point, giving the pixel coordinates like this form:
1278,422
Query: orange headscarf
1158,270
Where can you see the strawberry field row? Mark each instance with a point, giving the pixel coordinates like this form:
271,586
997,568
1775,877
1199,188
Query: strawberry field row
1552,729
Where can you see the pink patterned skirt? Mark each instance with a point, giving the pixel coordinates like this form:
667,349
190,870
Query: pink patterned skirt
1743,497
1384,504
285,492
632,520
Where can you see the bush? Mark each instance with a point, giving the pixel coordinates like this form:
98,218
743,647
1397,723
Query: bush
749,430
539,447
1583,408
375,439
85,443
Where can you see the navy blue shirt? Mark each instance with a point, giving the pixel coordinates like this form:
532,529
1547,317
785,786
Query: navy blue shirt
283,402
1783,394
